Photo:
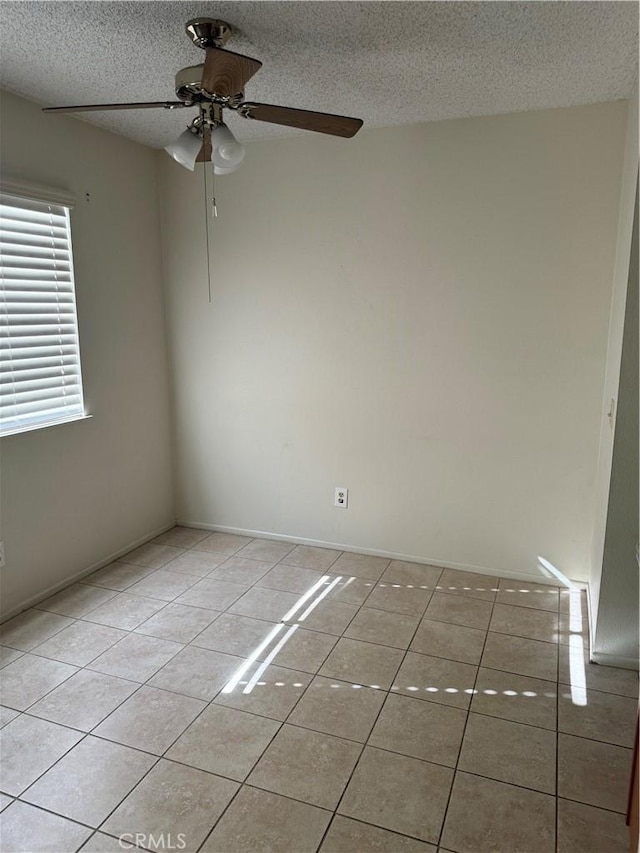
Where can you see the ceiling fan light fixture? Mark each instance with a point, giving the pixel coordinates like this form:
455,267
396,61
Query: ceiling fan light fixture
226,152
219,170
186,148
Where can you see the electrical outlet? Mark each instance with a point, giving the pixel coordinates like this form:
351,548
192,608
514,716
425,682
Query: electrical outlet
341,498
2,561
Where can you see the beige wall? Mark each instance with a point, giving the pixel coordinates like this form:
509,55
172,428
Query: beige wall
418,314
615,633
74,494
615,628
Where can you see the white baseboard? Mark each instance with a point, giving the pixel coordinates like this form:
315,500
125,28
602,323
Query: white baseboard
610,660
390,555
84,572
614,660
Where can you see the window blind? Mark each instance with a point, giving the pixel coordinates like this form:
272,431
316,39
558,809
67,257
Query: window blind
40,376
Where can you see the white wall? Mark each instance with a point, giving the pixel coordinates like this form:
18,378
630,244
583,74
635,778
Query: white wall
615,628
76,493
419,314
611,392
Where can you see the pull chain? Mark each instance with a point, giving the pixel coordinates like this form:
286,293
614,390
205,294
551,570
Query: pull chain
206,225
213,187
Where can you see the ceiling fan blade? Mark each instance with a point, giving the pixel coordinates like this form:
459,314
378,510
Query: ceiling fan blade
86,108
226,73
303,119
205,152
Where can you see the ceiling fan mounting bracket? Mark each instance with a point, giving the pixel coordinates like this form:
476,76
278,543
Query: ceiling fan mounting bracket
208,32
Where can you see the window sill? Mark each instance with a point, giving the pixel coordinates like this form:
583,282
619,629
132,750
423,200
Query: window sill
44,425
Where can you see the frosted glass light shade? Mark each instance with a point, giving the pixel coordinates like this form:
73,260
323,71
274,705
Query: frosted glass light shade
185,149
226,151
218,170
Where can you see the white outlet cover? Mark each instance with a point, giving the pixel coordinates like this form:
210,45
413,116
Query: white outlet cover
341,498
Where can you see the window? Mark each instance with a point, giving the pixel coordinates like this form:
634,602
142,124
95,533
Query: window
40,377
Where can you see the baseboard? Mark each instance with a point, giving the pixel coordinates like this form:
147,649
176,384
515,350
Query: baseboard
614,660
390,555
610,660
35,599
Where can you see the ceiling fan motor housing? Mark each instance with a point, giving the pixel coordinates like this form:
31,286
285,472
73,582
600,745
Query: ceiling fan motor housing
189,83
204,33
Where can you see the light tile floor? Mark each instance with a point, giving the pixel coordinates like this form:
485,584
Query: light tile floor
220,693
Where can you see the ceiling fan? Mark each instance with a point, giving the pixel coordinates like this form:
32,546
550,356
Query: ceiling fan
214,86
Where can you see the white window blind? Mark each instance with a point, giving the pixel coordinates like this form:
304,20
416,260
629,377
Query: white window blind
40,376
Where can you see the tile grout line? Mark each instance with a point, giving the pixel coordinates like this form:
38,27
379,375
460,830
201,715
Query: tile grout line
163,567
377,717
284,666
243,783
165,603
311,681
57,814
19,797
90,733
220,613
163,758
95,830
313,674
87,734
281,723
255,763
466,723
211,701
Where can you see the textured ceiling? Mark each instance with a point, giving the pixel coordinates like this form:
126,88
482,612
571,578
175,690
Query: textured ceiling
385,62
